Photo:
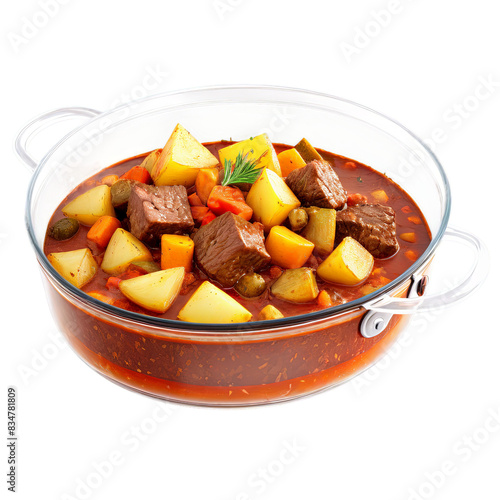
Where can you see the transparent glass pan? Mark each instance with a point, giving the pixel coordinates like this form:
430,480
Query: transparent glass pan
257,362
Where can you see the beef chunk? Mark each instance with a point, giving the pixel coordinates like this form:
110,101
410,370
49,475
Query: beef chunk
229,247
317,185
156,210
374,226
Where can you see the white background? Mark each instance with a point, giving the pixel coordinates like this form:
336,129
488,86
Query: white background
385,435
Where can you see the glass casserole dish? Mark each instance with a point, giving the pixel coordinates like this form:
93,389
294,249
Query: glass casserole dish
262,361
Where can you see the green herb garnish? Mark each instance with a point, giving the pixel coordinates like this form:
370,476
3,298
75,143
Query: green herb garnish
243,170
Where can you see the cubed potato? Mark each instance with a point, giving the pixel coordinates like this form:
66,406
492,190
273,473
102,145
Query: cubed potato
296,285
271,199
349,264
176,251
320,229
210,304
76,266
91,205
270,312
307,152
287,249
155,291
123,249
181,159
149,162
259,147
290,159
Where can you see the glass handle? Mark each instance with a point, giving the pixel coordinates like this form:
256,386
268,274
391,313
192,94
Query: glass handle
43,121
473,279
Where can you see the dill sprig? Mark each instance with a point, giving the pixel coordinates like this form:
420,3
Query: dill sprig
243,170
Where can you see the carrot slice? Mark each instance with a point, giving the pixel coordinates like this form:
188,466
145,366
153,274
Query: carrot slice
415,219
139,174
194,200
199,213
109,180
176,251
113,282
224,199
208,218
102,230
324,299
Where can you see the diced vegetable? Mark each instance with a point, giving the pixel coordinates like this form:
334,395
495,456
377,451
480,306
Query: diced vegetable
109,180
250,285
409,237
181,159
275,272
324,299
120,193
208,218
350,165
307,152
199,213
270,312
123,249
206,180
210,304
102,230
320,229
288,249
139,174
416,220
194,200
113,282
411,255
258,148
271,199
149,162
356,199
176,251
76,266
290,159
349,264
298,219
108,300
64,229
296,285
155,291
224,199
91,205
380,196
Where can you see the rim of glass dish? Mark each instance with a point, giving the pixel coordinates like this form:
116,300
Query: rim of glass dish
256,327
